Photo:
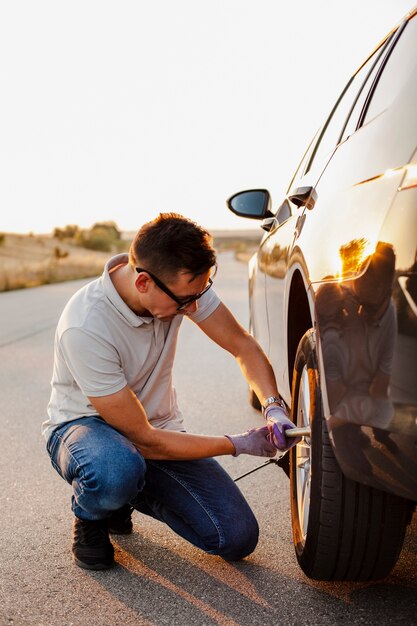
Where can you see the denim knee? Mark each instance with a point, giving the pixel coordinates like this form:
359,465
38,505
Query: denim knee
107,484
241,539
123,478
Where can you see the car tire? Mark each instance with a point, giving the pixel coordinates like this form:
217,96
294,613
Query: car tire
342,530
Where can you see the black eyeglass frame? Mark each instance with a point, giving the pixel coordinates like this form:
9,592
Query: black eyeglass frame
182,302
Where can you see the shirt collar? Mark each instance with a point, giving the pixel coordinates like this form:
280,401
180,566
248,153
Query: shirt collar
113,295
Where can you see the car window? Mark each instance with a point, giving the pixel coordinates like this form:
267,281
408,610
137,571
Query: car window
299,172
372,69
399,64
334,125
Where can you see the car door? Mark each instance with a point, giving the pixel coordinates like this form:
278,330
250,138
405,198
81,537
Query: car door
281,252
366,169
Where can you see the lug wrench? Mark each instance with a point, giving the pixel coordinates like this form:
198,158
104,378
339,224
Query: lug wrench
293,432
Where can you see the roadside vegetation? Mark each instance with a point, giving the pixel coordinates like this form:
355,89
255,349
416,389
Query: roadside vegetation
71,253
242,243
67,254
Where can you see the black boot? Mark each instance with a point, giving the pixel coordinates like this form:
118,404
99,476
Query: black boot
91,547
120,521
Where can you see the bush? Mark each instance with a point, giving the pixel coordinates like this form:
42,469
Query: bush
99,244
2,238
102,236
110,228
60,254
97,239
69,232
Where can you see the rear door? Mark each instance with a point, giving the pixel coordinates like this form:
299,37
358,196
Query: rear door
361,179
282,254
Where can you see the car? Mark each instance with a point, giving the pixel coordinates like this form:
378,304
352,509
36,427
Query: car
333,303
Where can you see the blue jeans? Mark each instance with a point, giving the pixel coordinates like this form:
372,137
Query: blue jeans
197,499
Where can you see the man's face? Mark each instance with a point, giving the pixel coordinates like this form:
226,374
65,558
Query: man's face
161,305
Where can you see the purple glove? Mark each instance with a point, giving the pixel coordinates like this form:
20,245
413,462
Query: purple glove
255,441
278,423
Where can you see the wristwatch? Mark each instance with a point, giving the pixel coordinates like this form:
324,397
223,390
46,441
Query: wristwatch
273,400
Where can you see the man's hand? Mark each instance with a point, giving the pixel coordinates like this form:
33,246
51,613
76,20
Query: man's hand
277,423
255,441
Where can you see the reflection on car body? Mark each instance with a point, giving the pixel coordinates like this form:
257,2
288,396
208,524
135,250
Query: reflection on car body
333,301
357,322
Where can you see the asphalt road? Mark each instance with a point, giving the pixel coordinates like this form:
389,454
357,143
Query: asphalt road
159,579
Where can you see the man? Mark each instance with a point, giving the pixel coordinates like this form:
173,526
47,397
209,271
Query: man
115,432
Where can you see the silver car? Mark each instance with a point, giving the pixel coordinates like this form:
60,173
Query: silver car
333,302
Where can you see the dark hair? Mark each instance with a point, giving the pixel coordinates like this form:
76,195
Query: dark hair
171,243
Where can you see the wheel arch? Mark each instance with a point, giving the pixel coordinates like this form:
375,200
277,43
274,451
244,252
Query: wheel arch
299,318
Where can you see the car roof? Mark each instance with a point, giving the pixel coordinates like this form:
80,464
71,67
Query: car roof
406,17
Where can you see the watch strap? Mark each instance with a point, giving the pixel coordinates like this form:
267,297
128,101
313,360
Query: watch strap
273,400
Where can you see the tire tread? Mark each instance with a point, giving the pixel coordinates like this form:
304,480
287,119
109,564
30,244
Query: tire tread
355,532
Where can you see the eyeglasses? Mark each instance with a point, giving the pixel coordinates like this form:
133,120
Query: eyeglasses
182,302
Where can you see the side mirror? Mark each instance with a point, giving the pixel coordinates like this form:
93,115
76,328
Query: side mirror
253,203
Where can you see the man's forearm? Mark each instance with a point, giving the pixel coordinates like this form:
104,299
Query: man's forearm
179,446
257,370
126,414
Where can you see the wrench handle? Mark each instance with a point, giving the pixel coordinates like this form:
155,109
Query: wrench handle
298,432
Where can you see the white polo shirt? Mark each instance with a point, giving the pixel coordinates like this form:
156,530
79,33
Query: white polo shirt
101,346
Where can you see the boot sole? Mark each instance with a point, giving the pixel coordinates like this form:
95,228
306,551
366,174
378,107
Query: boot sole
92,566
116,531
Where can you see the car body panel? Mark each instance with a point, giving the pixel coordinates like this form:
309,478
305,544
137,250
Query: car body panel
273,263
352,252
368,360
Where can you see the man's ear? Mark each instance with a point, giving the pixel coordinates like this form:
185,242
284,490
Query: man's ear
142,282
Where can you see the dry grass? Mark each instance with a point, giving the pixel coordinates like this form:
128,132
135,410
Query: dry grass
32,260
28,261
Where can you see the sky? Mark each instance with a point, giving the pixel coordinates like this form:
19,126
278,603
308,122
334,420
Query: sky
119,110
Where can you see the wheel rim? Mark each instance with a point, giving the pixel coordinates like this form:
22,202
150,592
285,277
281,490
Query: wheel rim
303,455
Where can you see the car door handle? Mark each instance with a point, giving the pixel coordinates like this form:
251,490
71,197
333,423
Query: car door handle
304,196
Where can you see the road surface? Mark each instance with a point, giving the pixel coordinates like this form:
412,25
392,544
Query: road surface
159,579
